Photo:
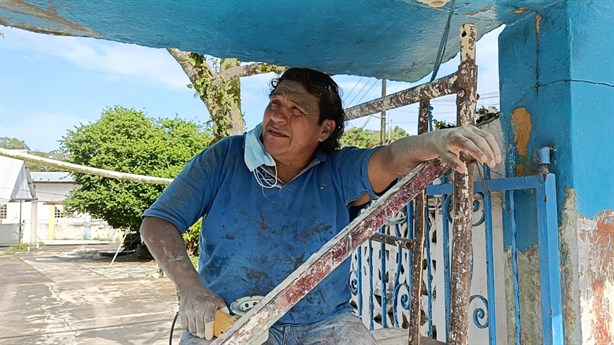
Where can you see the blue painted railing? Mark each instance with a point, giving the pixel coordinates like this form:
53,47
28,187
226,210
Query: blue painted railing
389,289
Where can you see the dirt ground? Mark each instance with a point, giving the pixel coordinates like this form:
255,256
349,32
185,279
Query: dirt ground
71,295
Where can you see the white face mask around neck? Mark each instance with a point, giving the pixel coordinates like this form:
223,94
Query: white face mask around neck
255,156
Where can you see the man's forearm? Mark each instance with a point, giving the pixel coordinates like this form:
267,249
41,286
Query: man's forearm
399,158
166,245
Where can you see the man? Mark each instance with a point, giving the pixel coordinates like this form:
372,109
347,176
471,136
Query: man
272,197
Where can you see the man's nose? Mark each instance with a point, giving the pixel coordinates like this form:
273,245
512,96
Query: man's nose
280,115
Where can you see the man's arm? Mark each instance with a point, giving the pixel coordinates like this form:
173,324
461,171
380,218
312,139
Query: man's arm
198,303
402,156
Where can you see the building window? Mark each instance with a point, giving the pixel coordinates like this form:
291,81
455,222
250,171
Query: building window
59,213
3,212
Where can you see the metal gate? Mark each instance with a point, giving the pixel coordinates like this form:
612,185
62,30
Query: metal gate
381,273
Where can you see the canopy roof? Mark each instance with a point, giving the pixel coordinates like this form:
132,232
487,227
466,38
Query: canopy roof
392,39
15,181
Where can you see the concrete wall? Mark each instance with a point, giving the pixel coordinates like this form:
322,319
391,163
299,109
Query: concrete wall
557,89
48,227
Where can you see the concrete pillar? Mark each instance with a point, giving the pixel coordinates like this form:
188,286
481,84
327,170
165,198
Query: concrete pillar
557,89
34,224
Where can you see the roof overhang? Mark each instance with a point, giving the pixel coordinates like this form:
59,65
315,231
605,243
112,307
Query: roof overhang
392,39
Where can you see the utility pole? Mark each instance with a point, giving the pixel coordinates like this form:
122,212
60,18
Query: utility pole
382,131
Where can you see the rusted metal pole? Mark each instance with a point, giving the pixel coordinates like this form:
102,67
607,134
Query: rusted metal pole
274,305
419,237
440,87
382,131
463,194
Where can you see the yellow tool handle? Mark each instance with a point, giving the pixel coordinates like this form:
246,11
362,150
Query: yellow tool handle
222,322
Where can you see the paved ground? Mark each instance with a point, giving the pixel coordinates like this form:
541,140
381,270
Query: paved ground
70,295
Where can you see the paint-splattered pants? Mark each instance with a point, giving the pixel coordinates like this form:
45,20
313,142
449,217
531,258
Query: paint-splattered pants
339,329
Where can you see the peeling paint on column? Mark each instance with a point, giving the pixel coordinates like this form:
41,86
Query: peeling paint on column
530,297
522,126
569,266
596,256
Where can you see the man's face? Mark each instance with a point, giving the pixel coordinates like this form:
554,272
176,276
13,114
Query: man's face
290,130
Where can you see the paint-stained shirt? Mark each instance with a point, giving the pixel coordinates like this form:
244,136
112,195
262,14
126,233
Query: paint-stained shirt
252,237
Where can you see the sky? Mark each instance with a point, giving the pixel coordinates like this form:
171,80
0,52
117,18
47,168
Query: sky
52,84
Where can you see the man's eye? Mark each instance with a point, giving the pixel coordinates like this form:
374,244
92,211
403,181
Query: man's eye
273,105
297,112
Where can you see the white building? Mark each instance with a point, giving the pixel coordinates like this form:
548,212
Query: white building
32,210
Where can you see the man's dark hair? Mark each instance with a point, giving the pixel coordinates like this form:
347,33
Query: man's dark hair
326,90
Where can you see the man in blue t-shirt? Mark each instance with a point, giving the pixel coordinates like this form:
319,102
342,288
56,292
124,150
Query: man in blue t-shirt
272,197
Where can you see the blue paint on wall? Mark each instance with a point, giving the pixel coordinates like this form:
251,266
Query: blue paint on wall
559,66
592,92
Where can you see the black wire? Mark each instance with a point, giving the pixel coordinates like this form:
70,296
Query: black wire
170,338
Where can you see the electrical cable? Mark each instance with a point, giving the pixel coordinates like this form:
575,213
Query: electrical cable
170,338
442,44
352,90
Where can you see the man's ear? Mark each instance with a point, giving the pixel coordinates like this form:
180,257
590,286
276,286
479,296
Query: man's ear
326,129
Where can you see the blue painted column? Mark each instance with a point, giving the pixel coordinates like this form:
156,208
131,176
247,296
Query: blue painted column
557,89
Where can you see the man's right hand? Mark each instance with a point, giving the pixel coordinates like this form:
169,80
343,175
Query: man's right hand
197,308
197,303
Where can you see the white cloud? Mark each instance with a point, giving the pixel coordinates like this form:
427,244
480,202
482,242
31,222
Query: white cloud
113,60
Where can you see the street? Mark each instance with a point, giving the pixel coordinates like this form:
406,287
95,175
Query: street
70,295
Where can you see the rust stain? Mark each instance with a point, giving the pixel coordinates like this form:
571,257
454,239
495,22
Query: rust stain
604,233
520,10
522,127
538,22
601,239
601,308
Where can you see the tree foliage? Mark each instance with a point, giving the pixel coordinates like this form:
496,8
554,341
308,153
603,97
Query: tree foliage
17,144
360,137
13,144
126,140
57,155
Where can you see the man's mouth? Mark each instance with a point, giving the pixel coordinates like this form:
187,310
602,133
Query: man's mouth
275,133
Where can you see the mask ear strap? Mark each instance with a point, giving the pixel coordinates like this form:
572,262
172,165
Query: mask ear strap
263,181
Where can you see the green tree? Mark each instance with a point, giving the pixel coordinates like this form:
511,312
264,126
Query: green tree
217,82
13,144
359,137
126,140
57,155
397,133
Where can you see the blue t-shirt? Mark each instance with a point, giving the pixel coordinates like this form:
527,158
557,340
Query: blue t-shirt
252,237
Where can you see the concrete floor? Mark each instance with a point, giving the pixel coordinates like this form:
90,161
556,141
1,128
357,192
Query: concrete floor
70,295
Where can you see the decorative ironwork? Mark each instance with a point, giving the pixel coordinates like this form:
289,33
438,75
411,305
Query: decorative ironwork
480,316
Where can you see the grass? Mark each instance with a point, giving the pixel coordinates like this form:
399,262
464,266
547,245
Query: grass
16,248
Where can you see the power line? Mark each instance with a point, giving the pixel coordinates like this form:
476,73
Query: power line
352,90
366,93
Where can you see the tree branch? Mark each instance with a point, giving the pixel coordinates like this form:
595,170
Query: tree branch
192,72
251,69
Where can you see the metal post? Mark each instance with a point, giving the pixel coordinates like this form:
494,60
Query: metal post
382,132
419,238
549,262
463,194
